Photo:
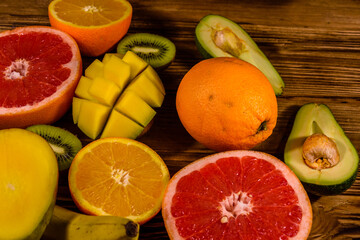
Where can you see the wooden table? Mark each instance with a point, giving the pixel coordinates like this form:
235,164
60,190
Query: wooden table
315,46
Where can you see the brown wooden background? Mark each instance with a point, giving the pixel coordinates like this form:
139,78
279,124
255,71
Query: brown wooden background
315,46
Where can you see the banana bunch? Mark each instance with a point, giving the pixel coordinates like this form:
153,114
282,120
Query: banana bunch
69,225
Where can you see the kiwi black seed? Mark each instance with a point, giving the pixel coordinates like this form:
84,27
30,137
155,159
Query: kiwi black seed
156,50
64,144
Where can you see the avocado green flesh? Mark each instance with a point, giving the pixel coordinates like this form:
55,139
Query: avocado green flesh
317,118
217,36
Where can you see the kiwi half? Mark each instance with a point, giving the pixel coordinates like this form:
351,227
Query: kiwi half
156,50
64,144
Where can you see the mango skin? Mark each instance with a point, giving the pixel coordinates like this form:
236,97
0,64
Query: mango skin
39,231
30,140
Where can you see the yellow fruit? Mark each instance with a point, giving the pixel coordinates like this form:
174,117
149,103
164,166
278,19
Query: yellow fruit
95,69
107,56
29,178
129,90
147,90
92,117
120,125
104,91
136,63
68,225
151,74
82,89
134,107
118,71
76,105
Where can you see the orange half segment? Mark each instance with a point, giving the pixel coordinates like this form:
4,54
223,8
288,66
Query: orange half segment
120,177
96,25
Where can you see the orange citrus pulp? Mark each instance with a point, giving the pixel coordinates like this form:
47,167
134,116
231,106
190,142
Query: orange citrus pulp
96,25
120,177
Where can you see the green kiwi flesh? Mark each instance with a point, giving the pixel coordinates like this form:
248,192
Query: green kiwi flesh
64,144
156,50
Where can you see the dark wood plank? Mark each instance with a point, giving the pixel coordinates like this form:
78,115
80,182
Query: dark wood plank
315,45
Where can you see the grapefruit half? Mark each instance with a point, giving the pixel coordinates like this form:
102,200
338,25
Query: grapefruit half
236,195
39,70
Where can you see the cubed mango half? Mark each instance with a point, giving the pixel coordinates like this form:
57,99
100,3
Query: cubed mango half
147,90
104,91
95,69
118,71
136,63
119,125
92,118
117,97
135,108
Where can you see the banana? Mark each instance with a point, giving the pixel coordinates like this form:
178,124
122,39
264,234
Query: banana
68,225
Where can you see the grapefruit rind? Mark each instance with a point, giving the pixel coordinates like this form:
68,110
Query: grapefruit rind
55,106
88,208
304,202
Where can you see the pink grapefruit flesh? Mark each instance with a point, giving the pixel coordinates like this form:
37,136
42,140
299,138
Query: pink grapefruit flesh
39,70
237,195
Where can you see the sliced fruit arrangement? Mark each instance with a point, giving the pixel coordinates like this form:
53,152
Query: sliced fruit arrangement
64,144
226,104
96,25
40,68
236,195
67,225
120,177
156,50
117,97
217,36
319,152
28,184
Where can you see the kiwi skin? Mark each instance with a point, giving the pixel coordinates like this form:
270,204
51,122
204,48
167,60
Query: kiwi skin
64,144
156,50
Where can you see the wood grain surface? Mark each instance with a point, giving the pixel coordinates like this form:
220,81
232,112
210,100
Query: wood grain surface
314,45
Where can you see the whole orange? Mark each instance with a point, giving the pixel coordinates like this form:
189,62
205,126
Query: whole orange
226,104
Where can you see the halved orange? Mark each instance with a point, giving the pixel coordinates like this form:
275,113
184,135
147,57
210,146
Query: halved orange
119,177
96,25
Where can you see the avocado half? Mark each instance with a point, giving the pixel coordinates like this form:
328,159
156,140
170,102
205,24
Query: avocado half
217,36
314,118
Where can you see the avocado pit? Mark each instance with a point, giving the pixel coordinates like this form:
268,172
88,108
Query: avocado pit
320,152
228,41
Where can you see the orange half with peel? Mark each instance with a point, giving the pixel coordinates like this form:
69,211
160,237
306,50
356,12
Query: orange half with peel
96,25
119,177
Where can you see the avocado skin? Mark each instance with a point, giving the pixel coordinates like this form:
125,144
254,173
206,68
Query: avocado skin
328,190
202,51
321,189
